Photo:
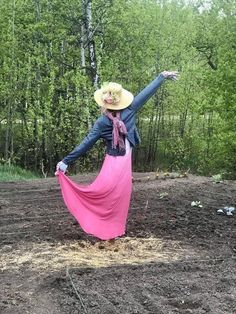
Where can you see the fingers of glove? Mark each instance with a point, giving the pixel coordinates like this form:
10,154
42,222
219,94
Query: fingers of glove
171,74
61,166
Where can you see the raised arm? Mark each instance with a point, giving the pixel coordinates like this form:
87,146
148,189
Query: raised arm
150,89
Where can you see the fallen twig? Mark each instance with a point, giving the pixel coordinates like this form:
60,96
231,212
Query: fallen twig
146,206
76,291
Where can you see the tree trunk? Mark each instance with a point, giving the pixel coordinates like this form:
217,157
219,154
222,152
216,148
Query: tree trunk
88,33
8,131
9,149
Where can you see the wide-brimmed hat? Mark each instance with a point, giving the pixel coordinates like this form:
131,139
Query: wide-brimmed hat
120,96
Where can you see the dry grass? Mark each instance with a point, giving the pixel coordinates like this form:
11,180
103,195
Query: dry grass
40,256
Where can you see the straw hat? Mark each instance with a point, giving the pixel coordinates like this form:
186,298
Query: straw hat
113,96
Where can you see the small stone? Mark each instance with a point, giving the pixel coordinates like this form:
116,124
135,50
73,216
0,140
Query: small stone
101,247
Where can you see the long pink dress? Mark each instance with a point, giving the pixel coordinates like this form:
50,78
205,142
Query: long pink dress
101,208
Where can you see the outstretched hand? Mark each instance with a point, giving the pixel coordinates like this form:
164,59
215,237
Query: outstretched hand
61,166
174,75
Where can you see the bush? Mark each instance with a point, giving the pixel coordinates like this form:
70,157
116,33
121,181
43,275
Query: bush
13,173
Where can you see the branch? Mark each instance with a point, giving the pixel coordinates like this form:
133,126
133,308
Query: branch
76,291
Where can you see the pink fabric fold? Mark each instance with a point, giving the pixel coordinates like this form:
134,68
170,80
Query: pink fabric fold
101,208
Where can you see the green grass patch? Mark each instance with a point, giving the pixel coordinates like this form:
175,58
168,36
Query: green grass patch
15,173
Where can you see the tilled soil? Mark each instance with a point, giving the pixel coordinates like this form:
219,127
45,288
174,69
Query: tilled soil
174,258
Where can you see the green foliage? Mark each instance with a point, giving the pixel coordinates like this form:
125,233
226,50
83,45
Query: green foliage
15,173
46,94
217,178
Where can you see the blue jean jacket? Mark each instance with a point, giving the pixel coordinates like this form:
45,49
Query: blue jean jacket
103,127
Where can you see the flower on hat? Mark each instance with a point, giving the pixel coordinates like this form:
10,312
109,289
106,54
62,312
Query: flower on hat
111,91
113,96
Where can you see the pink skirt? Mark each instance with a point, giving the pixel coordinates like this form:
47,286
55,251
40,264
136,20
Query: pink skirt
101,208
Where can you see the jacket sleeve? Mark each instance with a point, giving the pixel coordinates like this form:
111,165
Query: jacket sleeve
147,93
88,142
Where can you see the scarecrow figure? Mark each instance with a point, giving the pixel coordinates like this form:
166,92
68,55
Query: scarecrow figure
101,208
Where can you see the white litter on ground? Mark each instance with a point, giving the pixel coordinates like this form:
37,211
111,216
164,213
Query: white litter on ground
229,211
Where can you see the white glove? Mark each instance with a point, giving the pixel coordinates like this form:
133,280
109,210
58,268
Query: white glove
61,166
171,75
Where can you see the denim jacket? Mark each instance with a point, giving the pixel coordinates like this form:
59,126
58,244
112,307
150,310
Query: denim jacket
103,127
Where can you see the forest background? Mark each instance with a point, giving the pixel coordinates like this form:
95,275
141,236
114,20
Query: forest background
55,53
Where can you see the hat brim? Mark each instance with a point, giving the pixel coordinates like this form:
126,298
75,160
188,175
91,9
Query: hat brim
125,100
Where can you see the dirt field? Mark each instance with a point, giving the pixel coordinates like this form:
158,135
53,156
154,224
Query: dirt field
174,258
